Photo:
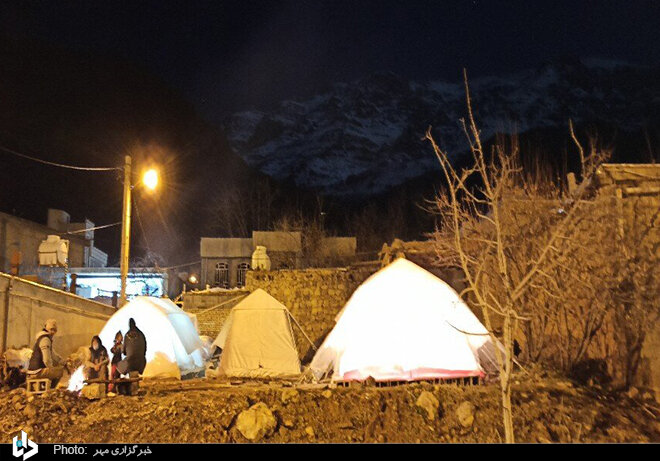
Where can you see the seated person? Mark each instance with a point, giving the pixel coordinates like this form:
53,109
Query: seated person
96,360
116,358
44,363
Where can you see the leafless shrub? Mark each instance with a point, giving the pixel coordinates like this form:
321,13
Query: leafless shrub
510,236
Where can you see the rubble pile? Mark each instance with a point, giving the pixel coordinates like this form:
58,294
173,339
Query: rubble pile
199,411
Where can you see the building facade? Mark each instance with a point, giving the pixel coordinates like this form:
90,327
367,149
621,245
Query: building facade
20,240
225,261
103,284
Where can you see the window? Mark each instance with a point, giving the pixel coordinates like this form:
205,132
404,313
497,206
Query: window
221,275
240,275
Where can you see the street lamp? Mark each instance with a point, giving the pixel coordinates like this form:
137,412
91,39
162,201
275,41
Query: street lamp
150,181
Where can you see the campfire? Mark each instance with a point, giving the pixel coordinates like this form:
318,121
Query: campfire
76,381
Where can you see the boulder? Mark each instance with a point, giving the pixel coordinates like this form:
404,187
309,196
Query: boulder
465,414
290,395
429,403
257,422
93,391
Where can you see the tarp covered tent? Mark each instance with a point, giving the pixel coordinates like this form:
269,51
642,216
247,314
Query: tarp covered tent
173,344
403,324
257,339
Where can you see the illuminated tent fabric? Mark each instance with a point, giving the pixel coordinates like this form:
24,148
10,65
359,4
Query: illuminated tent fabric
403,324
257,339
173,345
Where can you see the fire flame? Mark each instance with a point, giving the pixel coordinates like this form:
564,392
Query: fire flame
76,382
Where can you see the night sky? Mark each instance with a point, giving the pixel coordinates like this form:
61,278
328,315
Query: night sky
220,57
231,55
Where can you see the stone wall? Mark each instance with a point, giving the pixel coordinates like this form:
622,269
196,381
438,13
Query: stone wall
313,296
211,307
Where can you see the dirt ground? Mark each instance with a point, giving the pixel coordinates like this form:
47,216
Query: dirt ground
207,410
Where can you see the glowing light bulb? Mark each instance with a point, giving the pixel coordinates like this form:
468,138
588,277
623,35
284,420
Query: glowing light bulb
150,179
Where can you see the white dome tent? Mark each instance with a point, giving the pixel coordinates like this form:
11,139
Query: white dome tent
404,324
257,339
173,344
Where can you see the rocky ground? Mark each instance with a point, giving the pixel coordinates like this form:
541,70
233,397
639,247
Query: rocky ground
212,410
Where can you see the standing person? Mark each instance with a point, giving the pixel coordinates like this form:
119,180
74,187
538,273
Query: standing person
44,363
135,350
116,358
96,360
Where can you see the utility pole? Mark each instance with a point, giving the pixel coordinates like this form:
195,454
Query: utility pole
125,229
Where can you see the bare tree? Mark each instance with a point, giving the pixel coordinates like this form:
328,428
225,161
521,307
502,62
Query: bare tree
313,236
236,212
480,231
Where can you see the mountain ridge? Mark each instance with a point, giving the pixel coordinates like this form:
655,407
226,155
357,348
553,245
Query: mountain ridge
366,137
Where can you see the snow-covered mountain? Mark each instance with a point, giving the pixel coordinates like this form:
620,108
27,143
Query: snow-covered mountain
365,137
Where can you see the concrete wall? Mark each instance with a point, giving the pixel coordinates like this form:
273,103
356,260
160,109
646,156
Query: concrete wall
279,241
25,306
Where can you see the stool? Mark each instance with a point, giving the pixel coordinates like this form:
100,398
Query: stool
37,386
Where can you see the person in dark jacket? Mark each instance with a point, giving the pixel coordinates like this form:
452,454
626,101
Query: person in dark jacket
96,361
116,358
44,362
135,350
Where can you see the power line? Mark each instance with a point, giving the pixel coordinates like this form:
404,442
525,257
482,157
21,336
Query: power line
60,165
94,228
182,265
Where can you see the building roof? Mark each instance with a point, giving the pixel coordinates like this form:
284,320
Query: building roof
226,247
